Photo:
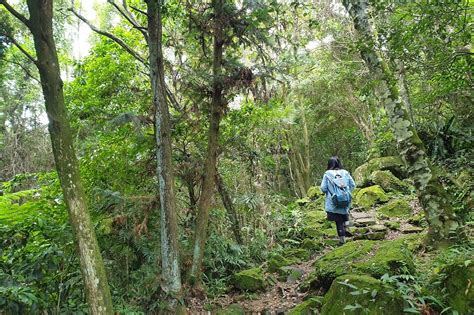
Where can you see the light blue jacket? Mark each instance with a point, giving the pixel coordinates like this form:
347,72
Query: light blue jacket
327,186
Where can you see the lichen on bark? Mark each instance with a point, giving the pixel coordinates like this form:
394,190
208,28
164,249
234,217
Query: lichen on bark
439,213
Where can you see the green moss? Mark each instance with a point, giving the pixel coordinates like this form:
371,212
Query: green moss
392,163
369,196
361,257
311,244
314,193
277,261
296,253
250,279
389,182
233,309
314,222
368,293
303,201
307,307
315,217
397,208
417,219
392,225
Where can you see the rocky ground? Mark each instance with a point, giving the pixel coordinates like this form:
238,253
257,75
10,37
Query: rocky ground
321,276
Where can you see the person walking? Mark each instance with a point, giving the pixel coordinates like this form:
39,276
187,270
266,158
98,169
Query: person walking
338,185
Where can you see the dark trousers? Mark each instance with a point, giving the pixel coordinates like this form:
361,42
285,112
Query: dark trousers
339,219
341,229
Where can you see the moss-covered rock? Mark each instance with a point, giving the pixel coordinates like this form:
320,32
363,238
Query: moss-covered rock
314,223
233,309
250,279
397,208
369,196
392,225
389,182
308,307
277,261
392,163
296,253
417,219
360,294
361,175
314,193
361,257
407,229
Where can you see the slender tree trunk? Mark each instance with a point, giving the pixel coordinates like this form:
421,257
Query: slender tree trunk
92,267
306,161
404,92
171,273
208,181
434,199
229,206
295,165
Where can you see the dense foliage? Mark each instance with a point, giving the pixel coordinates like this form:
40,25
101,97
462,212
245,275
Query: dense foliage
295,92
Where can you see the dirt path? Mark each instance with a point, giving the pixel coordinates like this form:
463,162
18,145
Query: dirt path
277,299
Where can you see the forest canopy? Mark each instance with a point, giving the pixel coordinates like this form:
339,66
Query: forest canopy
166,156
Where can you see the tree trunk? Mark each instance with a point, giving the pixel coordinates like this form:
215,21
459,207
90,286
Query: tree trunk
434,199
229,206
171,272
92,267
296,165
208,181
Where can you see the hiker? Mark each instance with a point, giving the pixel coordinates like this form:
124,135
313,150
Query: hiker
338,185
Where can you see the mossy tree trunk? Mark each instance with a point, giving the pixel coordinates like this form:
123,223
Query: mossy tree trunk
209,172
434,199
171,273
40,23
229,206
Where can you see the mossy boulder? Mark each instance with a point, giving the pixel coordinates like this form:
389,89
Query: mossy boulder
360,294
296,253
392,225
458,285
417,219
277,261
233,309
313,223
369,196
360,257
314,193
308,307
250,280
389,182
397,208
391,163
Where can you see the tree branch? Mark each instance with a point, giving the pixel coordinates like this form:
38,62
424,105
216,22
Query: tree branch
25,69
139,11
23,50
130,18
117,40
16,14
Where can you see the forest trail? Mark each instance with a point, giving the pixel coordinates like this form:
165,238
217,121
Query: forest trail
283,294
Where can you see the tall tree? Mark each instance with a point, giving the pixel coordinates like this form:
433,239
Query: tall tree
153,34
209,172
434,199
40,23
169,227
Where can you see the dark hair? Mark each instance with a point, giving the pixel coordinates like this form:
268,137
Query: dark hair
334,163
